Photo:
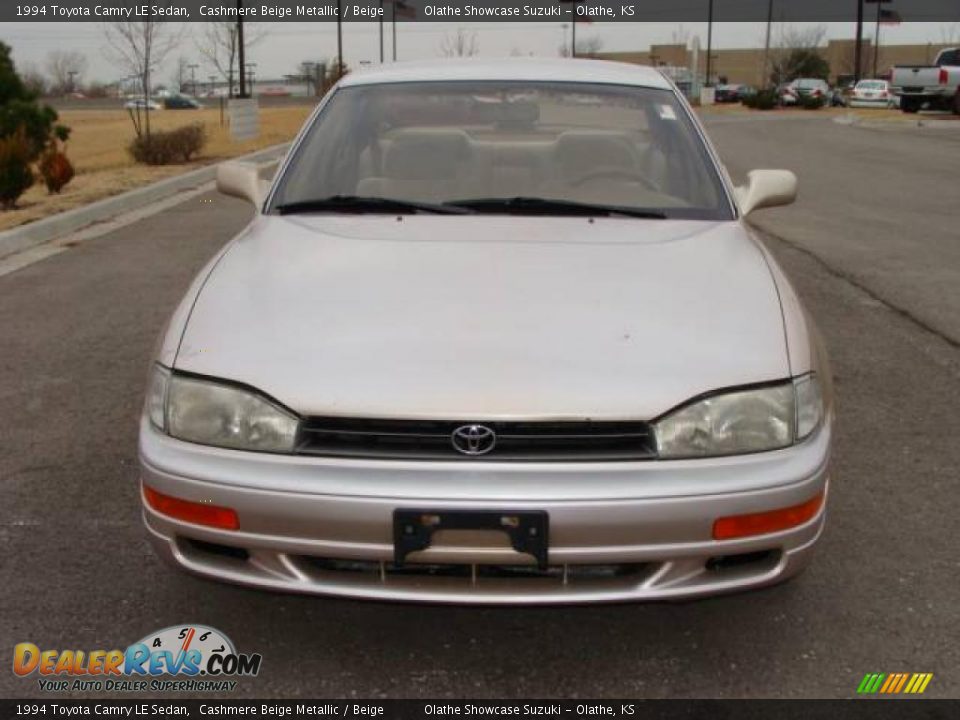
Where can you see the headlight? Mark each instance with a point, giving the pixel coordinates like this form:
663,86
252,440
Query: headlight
809,405
743,421
212,413
157,397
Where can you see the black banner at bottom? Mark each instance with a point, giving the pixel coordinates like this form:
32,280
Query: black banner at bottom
853,709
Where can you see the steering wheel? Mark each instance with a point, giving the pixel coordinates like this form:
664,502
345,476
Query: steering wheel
612,173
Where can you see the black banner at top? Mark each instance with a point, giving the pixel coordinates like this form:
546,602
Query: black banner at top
499,709
474,10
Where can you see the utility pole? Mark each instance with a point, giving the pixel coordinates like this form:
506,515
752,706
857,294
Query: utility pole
72,74
573,32
766,47
339,38
876,36
573,26
395,30
240,50
193,78
858,46
708,82
381,32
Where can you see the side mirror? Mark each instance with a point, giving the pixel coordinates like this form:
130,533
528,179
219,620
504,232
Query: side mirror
242,180
766,188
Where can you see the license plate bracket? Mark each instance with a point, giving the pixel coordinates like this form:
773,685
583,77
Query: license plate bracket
528,530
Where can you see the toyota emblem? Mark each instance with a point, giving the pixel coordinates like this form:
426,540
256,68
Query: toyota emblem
473,439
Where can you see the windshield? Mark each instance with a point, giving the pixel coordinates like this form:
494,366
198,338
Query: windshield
442,143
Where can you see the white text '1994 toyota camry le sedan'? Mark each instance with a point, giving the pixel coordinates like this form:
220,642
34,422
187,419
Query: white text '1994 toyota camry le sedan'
497,333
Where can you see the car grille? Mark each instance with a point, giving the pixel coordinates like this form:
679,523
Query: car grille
565,574
515,441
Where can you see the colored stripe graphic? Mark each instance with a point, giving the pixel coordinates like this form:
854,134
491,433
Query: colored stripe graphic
894,683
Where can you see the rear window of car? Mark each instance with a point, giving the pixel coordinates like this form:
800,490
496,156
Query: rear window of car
871,85
448,141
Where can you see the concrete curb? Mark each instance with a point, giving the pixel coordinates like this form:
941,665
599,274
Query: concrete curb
43,231
935,122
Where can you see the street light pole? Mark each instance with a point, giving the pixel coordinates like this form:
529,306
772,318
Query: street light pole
573,31
339,38
876,41
766,47
709,41
858,46
193,78
241,57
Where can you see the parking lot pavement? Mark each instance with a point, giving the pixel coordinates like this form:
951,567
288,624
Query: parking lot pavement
76,332
878,204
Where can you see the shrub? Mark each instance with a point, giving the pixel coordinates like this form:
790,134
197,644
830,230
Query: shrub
809,102
762,100
163,147
19,110
55,169
15,174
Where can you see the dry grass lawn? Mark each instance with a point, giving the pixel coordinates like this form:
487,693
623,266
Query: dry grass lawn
98,150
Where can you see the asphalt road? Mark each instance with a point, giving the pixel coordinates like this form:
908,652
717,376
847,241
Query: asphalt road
872,246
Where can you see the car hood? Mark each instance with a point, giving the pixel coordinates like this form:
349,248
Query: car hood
484,317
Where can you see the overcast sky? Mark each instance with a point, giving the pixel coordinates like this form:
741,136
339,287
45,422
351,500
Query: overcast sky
285,45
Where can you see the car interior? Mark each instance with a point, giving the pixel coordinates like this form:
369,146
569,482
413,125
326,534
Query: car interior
615,150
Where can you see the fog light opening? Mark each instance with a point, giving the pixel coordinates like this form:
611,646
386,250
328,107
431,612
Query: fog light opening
198,513
738,561
209,548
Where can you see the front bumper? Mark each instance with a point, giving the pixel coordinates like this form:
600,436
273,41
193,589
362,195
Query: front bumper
618,531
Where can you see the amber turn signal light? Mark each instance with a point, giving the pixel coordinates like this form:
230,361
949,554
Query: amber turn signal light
763,523
193,512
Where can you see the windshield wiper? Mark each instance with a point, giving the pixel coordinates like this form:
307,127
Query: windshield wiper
546,206
360,204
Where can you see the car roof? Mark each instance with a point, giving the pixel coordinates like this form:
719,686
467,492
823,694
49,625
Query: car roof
531,69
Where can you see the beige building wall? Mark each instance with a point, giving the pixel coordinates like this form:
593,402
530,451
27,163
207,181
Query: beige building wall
746,65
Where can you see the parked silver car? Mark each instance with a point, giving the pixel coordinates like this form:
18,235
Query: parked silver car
486,341
873,93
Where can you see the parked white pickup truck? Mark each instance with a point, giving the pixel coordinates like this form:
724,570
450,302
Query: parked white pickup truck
937,85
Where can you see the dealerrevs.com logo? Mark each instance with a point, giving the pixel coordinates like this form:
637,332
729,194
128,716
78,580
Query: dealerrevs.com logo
201,658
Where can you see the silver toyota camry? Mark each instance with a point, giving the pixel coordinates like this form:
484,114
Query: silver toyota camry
498,332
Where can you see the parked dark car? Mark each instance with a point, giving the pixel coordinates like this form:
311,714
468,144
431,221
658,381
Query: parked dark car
181,102
810,89
726,93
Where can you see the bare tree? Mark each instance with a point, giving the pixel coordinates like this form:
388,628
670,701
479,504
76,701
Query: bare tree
950,33
34,80
140,48
65,68
220,47
795,50
461,44
589,46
